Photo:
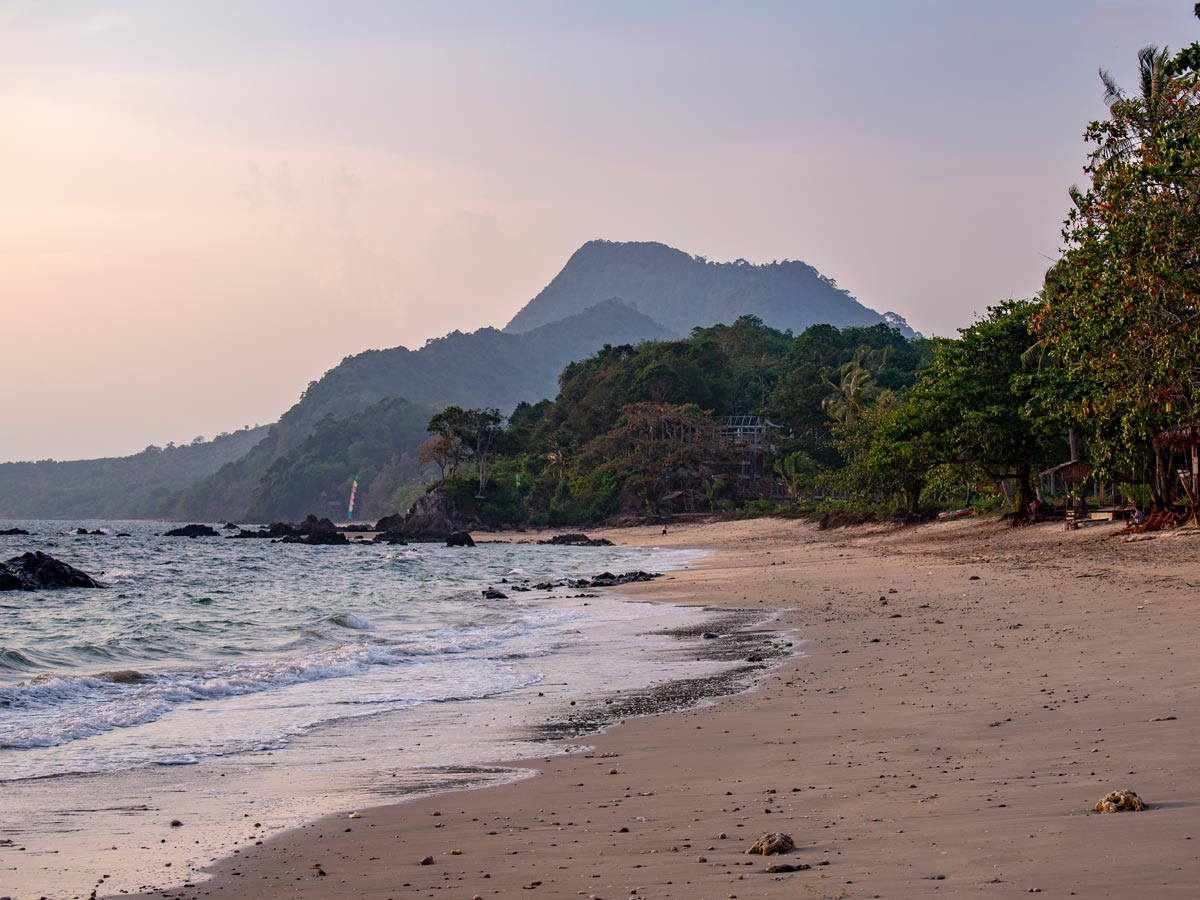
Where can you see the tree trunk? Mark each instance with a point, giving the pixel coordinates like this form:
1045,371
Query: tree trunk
1025,494
1160,489
914,499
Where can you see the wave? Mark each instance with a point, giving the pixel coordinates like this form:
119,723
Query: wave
50,710
349,620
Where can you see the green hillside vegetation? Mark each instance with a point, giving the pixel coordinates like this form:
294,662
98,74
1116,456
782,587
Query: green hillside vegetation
484,368
145,485
378,445
634,429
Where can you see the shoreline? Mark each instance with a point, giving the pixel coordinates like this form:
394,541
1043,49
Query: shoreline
966,693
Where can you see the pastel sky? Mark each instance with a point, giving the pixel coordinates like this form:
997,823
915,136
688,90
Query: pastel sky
206,205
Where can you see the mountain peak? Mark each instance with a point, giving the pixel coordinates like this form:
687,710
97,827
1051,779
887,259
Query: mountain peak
681,291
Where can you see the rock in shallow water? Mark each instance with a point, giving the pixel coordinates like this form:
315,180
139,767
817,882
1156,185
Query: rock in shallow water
192,531
38,571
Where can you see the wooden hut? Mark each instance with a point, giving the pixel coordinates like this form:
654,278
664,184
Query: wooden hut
1185,438
1071,474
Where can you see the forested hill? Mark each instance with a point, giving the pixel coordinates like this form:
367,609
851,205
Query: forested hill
485,368
682,292
145,485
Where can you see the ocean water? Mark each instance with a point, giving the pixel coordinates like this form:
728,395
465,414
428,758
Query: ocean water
303,680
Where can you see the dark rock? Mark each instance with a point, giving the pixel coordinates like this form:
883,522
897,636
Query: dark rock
493,594
313,525
274,530
459,539
317,538
607,579
192,531
14,531
38,571
710,635
390,537
432,517
577,540
787,867
229,526
390,524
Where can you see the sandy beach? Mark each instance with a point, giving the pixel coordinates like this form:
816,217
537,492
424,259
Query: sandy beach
964,695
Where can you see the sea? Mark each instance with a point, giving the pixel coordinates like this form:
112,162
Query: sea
219,681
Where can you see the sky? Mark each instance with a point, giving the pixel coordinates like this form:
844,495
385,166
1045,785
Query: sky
205,206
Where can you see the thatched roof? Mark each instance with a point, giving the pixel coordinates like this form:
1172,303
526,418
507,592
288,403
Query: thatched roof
1179,437
1072,472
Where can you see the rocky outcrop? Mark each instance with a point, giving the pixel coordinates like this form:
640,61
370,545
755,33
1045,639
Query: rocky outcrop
192,531
775,842
576,540
84,531
493,594
13,531
282,531
459,539
1119,801
433,517
316,538
39,571
390,524
313,525
389,537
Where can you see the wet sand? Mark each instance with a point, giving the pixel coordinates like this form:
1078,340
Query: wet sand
965,695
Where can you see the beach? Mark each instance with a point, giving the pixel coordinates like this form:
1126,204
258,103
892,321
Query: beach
965,694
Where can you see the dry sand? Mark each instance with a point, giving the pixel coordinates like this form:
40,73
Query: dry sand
967,692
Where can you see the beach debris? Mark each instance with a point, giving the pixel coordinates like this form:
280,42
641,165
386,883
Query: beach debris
353,815
710,635
427,861
775,842
787,867
1119,801
38,571
1165,719
175,823
701,859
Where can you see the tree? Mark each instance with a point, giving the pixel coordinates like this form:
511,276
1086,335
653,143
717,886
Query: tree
476,429
1121,315
446,451
973,399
